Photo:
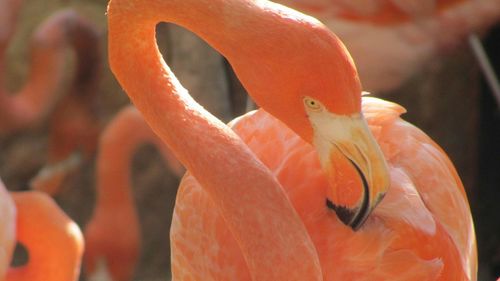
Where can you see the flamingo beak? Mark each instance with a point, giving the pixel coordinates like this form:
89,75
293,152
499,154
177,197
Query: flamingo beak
354,165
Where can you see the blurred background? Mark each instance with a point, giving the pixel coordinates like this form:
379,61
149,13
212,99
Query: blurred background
419,58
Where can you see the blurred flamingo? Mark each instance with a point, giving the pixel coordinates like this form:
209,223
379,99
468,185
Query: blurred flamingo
38,96
53,241
74,125
406,33
109,254
266,205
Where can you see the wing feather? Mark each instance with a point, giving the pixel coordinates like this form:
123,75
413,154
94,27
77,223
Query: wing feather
429,168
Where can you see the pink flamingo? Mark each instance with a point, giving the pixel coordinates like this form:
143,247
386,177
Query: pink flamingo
297,197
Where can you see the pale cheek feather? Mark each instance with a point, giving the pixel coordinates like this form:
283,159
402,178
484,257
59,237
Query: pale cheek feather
328,126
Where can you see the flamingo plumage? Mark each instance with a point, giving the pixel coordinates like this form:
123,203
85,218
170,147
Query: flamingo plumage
295,193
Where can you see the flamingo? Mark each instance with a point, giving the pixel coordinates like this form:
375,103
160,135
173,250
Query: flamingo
54,242
73,121
295,191
109,254
74,125
38,96
384,12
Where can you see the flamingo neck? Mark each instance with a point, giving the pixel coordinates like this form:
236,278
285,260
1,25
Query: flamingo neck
117,146
53,241
115,199
40,92
118,143
225,167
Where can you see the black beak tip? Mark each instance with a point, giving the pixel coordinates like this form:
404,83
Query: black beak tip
349,217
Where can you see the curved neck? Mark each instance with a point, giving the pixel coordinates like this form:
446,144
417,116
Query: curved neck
53,241
224,166
74,123
38,93
47,55
119,141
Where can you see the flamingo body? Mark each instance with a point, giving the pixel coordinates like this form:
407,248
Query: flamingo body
410,236
73,117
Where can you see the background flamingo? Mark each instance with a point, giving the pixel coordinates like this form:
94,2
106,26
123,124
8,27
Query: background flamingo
410,33
39,94
53,241
75,121
170,111
115,210
70,132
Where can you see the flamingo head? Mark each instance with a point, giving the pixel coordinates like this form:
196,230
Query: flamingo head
294,68
299,71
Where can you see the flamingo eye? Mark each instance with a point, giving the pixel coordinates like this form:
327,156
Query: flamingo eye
312,104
